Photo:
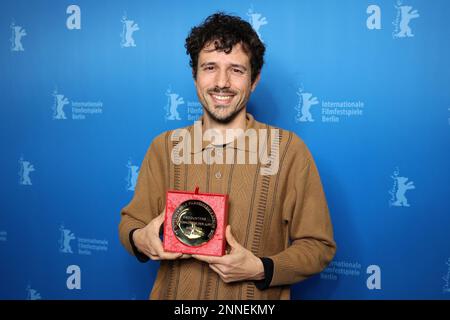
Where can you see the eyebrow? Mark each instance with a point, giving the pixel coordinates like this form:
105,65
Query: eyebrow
207,64
234,65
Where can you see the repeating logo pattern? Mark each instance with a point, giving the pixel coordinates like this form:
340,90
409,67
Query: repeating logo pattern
60,101
18,32
399,188
25,169
176,108
173,101
3,235
131,179
330,111
66,236
84,246
305,101
79,110
33,294
129,27
405,14
448,109
446,278
257,20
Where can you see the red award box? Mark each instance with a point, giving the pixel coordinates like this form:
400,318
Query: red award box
195,222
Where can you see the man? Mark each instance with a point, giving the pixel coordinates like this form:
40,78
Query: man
279,229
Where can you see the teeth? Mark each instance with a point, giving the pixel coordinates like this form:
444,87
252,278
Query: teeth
222,97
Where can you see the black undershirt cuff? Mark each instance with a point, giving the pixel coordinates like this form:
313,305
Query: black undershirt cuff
268,274
139,255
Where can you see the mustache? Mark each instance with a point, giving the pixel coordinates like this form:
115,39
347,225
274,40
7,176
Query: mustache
221,90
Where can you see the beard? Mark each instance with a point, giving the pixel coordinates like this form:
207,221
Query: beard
224,118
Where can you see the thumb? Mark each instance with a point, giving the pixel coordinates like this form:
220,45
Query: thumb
162,215
230,239
159,220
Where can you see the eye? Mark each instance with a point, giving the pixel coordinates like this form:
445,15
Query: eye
208,68
236,70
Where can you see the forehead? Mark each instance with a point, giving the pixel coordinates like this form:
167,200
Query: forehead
236,56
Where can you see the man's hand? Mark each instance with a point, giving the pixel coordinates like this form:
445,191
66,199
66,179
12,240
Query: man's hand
148,242
240,264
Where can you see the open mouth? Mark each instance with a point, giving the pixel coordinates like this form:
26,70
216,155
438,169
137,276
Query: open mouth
221,98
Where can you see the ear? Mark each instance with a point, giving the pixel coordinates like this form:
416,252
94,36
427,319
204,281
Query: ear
255,83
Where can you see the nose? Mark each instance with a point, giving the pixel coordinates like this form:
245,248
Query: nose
222,79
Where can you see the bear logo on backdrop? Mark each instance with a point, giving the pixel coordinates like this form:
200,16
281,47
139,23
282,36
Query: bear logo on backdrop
3,235
173,101
305,101
131,179
257,20
25,168
32,294
128,28
399,188
401,23
58,106
66,236
176,108
18,33
446,278
448,109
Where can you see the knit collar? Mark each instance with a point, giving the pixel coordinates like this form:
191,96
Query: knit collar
251,123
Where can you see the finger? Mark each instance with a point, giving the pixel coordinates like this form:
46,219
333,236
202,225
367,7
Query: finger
207,259
150,250
150,254
201,258
170,255
226,278
230,239
186,256
222,268
217,270
157,246
153,257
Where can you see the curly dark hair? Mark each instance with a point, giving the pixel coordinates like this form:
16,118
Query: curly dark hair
225,31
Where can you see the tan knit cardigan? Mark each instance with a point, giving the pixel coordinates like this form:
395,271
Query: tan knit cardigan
283,216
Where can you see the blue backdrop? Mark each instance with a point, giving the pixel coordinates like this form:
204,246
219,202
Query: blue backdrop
86,86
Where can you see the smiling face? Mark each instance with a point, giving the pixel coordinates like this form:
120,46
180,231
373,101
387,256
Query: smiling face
223,82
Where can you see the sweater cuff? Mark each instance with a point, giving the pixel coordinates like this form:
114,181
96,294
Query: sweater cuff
268,274
139,255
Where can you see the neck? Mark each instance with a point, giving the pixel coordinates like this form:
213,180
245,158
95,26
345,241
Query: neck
239,122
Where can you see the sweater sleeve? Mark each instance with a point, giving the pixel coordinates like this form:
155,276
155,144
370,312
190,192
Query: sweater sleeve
312,246
149,194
